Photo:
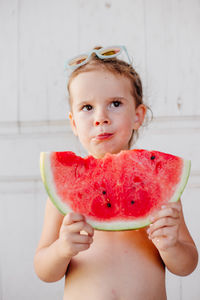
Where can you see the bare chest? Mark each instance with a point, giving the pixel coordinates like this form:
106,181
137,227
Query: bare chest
117,266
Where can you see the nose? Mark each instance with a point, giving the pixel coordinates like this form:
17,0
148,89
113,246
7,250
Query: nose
101,122
101,118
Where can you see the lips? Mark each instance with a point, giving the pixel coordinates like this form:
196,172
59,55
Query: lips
103,136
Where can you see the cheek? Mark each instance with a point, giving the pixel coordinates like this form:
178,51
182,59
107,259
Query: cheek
81,122
126,124
83,128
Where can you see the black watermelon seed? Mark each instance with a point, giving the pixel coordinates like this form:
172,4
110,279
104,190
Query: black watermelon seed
104,192
132,202
108,204
153,157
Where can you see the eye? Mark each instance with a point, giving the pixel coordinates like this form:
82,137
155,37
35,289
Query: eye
86,107
116,103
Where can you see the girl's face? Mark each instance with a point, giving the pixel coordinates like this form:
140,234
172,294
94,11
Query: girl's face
103,112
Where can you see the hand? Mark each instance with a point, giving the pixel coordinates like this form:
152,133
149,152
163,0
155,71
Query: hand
164,227
71,241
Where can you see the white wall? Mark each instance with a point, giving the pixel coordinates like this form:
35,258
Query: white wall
36,37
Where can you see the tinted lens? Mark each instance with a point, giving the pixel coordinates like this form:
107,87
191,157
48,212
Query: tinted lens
78,60
110,51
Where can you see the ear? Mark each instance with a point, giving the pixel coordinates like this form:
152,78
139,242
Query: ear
140,113
72,123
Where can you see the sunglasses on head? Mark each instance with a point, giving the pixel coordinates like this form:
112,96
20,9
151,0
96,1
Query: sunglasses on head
103,53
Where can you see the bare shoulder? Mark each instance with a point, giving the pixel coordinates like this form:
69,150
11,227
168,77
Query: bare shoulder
51,226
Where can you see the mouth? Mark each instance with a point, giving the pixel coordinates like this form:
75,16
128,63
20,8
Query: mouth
103,136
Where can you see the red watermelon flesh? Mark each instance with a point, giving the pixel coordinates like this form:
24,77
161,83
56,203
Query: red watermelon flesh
117,192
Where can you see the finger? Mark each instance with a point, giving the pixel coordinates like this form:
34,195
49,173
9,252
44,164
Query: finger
81,226
165,212
88,229
76,227
82,239
164,232
175,205
162,222
163,243
72,217
81,247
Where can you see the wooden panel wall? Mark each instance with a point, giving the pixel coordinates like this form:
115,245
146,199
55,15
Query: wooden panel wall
37,37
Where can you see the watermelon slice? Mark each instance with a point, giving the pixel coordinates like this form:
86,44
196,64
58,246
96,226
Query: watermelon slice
117,192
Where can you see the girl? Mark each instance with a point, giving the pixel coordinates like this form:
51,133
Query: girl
107,109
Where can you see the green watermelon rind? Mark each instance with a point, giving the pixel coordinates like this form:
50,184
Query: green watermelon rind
47,177
184,179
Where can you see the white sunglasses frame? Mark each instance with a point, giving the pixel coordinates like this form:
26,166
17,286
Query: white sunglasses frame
97,52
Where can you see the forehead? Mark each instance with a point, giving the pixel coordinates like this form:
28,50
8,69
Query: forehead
100,84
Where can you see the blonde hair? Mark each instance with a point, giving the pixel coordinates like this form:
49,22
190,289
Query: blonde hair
118,67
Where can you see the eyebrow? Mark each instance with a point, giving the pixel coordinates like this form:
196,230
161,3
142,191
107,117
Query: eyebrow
110,99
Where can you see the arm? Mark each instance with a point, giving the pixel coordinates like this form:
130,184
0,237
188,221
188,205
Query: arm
171,237
59,242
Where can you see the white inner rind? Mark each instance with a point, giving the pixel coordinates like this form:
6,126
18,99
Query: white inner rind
184,178
48,180
47,177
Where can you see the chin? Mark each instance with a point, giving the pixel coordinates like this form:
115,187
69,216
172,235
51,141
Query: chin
99,150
